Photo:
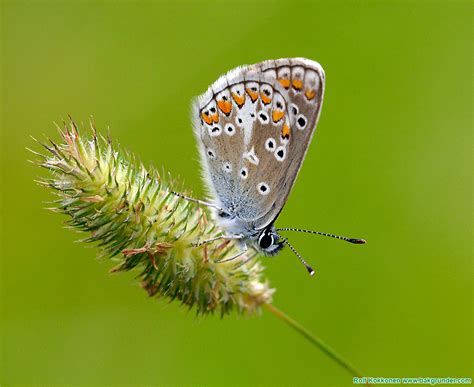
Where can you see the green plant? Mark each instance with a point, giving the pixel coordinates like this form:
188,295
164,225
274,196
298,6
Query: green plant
134,219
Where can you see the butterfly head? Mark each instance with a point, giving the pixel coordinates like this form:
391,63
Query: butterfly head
268,241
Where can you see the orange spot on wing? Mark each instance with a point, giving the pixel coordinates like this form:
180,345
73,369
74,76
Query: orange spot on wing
225,106
310,94
297,84
239,99
252,94
285,82
215,118
265,99
207,118
285,132
277,115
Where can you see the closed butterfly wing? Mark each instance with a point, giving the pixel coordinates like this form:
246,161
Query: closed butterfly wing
254,126
218,128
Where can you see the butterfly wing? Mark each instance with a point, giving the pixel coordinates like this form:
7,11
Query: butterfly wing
254,126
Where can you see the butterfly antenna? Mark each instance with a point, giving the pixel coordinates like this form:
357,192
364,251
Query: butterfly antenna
309,268
350,240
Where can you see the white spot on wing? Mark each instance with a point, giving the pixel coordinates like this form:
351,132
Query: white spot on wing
227,167
238,90
270,144
284,72
211,154
312,80
229,129
263,188
297,73
215,130
248,113
301,122
251,156
270,73
252,86
267,92
224,95
294,109
280,153
262,116
239,120
279,102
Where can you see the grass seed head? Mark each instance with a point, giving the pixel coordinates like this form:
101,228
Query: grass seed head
130,213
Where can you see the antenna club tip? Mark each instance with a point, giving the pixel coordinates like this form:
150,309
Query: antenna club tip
358,241
310,271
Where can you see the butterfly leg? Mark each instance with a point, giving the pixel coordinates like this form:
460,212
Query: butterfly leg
189,199
243,251
217,238
247,260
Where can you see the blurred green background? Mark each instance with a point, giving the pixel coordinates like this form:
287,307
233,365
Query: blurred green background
390,162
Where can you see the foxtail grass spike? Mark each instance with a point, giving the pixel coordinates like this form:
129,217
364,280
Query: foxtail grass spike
131,214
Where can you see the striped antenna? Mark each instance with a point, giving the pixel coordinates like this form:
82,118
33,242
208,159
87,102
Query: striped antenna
309,268
350,240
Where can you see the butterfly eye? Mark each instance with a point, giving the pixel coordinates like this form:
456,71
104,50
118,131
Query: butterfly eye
265,240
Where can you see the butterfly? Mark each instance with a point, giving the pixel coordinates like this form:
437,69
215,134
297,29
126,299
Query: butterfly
253,128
